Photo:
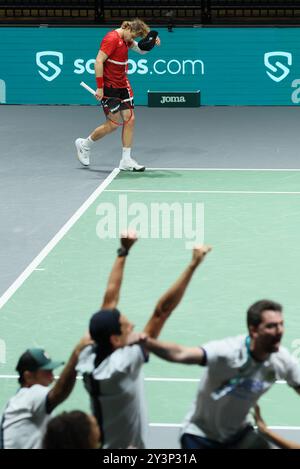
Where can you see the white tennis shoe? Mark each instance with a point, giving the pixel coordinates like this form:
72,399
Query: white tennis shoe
83,152
129,164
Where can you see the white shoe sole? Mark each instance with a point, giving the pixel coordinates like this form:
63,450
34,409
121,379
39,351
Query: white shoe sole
78,144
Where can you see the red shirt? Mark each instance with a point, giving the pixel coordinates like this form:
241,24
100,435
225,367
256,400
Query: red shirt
115,67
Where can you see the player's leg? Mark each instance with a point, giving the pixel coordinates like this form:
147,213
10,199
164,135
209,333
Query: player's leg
127,163
84,145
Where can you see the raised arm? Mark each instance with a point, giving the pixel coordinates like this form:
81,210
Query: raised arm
274,437
175,353
146,44
173,296
135,46
112,293
64,385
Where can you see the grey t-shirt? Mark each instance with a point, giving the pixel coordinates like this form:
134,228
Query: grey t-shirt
120,395
232,383
25,418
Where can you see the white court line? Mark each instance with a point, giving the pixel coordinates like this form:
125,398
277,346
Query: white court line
167,425
166,380
190,380
55,240
225,169
202,192
178,425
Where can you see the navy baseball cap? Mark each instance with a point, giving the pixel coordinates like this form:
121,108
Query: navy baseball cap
36,359
105,323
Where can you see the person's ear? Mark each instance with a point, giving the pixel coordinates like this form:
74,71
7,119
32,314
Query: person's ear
253,331
27,377
115,340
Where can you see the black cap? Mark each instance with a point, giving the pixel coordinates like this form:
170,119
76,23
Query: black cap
36,359
105,323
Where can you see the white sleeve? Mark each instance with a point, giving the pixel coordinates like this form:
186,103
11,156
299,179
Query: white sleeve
86,360
292,372
125,360
136,48
130,359
38,400
214,351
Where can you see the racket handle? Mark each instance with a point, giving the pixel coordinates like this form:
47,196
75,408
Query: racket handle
88,88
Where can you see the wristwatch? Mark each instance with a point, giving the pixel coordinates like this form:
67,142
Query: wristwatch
122,252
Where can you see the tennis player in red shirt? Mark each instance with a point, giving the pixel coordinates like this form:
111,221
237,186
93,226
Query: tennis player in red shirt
111,76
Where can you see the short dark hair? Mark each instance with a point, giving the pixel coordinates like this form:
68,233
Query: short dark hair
69,430
104,324
254,313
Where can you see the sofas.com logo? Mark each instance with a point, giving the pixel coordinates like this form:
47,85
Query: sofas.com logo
52,70
279,70
50,63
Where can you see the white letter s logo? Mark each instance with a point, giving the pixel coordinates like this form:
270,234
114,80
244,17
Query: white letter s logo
278,65
50,64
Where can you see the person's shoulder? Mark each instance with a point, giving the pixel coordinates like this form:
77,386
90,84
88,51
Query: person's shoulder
120,361
34,389
112,35
229,349
235,341
32,394
38,389
125,353
86,352
283,356
86,360
227,343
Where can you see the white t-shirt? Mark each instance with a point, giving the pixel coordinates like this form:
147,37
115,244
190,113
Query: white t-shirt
120,395
25,418
231,385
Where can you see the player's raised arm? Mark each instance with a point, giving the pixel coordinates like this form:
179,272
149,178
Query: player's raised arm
146,44
169,300
112,293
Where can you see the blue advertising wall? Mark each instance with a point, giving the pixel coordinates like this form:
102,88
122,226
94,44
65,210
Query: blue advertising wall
231,66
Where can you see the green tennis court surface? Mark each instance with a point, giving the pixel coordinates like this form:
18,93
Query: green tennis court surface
252,219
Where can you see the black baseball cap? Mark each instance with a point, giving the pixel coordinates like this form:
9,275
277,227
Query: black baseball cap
36,359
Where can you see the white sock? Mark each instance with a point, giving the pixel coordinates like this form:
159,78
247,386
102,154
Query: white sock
89,142
126,153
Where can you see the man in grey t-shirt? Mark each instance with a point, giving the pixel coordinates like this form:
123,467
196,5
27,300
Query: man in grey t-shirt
112,369
238,371
27,413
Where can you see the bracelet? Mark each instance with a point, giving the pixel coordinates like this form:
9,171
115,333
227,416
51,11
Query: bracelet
122,252
99,81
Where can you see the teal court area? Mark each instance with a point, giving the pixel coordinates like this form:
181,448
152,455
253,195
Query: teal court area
252,220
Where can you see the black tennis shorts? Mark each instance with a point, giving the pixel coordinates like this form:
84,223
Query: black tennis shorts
119,93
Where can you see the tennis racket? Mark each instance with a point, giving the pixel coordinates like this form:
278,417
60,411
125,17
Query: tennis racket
117,110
